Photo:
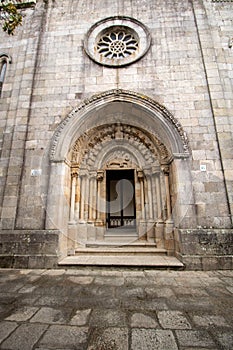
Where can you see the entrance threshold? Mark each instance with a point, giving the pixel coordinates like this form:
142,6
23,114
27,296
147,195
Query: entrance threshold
158,261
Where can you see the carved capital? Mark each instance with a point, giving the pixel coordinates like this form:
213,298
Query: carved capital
100,175
166,169
140,175
74,171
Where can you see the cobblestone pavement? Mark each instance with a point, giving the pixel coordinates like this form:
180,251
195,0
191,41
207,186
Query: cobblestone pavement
115,309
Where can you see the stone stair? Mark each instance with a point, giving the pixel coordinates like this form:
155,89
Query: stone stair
136,254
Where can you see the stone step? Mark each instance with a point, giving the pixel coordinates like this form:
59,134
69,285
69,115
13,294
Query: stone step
117,244
157,261
120,251
120,235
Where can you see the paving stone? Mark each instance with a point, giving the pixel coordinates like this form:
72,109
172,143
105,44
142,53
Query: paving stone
210,320
27,289
23,314
230,289
6,328
114,281
81,317
50,316
54,272
228,280
139,320
51,301
160,292
65,336
194,338
173,320
24,337
109,339
81,279
190,291
151,339
124,292
139,281
225,339
107,318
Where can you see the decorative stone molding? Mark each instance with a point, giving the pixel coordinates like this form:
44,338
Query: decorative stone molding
125,96
153,148
89,145
117,41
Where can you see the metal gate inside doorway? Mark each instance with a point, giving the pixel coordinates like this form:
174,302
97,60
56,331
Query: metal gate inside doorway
121,211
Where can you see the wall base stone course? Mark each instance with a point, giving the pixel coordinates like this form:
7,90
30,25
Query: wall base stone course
29,249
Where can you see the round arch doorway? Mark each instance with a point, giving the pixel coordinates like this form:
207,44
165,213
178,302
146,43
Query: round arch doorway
105,135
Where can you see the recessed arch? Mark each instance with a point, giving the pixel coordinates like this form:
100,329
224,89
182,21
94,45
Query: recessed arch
120,106
97,137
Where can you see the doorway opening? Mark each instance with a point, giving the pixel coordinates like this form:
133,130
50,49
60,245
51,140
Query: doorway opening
121,209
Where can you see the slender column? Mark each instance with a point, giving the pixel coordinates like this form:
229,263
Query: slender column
100,176
94,198
158,194
86,198
146,198
82,194
72,199
154,196
91,198
141,180
77,198
150,196
167,188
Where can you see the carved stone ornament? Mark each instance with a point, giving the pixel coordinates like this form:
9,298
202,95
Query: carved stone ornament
118,95
117,41
88,147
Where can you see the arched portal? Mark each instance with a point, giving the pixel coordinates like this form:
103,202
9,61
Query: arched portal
118,163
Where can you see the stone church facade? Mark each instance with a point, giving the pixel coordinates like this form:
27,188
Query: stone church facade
116,131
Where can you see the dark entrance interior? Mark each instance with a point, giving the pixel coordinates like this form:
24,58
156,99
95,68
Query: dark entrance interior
121,211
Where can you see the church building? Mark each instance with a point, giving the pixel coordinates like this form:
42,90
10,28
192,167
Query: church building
116,145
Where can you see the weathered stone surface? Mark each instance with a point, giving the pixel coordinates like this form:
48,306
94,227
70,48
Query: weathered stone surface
153,339
65,336
108,318
50,316
194,338
81,280
81,317
225,339
109,339
139,320
24,337
201,302
23,314
6,328
173,320
210,320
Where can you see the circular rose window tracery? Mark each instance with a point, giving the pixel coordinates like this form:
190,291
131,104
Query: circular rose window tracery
117,41
117,44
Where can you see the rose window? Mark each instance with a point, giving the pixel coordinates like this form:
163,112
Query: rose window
117,44
117,41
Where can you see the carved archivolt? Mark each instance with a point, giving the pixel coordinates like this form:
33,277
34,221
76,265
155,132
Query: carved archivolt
88,147
118,95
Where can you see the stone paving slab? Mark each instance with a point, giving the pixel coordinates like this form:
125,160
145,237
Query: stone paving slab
115,309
